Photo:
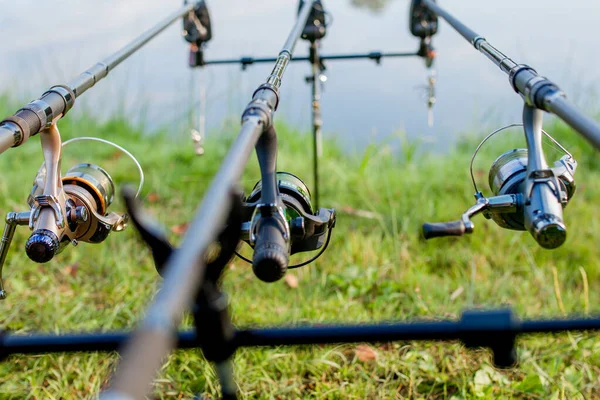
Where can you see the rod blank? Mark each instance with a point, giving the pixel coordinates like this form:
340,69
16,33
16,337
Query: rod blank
184,272
535,90
56,102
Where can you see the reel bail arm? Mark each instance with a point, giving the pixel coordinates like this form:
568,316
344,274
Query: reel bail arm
496,204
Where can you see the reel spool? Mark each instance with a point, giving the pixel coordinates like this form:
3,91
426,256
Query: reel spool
307,231
88,193
512,188
507,176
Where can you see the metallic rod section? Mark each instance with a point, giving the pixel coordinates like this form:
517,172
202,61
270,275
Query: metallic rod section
495,55
184,273
285,55
374,55
90,77
8,136
583,124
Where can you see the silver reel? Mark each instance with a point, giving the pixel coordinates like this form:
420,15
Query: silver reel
524,197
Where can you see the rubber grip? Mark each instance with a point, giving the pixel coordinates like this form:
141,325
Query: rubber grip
440,229
271,251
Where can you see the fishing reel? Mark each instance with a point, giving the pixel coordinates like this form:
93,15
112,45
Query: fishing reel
64,209
316,25
424,24
197,31
304,230
528,194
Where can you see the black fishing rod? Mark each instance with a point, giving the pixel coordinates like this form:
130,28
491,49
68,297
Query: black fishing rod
537,91
269,232
529,194
74,207
58,100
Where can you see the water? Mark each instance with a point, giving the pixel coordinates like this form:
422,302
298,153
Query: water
45,43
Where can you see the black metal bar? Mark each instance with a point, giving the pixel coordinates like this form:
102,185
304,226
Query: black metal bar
307,335
374,55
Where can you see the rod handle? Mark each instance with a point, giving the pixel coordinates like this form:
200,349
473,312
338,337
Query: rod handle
271,251
441,229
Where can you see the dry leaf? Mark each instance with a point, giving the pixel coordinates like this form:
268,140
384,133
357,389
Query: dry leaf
456,293
291,280
365,353
71,270
180,229
360,213
153,197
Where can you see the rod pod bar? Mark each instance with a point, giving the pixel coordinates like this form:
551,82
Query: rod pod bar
536,90
58,100
156,336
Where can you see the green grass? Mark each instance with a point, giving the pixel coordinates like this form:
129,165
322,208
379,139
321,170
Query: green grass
374,270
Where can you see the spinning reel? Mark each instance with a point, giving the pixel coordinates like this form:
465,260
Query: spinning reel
69,209
197,31
304,230
528,194
424,24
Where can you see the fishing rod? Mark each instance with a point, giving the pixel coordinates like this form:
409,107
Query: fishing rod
423,25
538,92
528,194
187,278
74,207
277,220
58,100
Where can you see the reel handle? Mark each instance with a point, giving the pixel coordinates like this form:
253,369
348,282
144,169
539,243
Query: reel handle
441,229
271,250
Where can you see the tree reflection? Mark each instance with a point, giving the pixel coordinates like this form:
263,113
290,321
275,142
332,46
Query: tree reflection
372,5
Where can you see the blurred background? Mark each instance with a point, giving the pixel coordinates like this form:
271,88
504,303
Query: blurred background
47,43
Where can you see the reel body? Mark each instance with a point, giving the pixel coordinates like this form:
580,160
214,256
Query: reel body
508,175
69,209
306,230
89,193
